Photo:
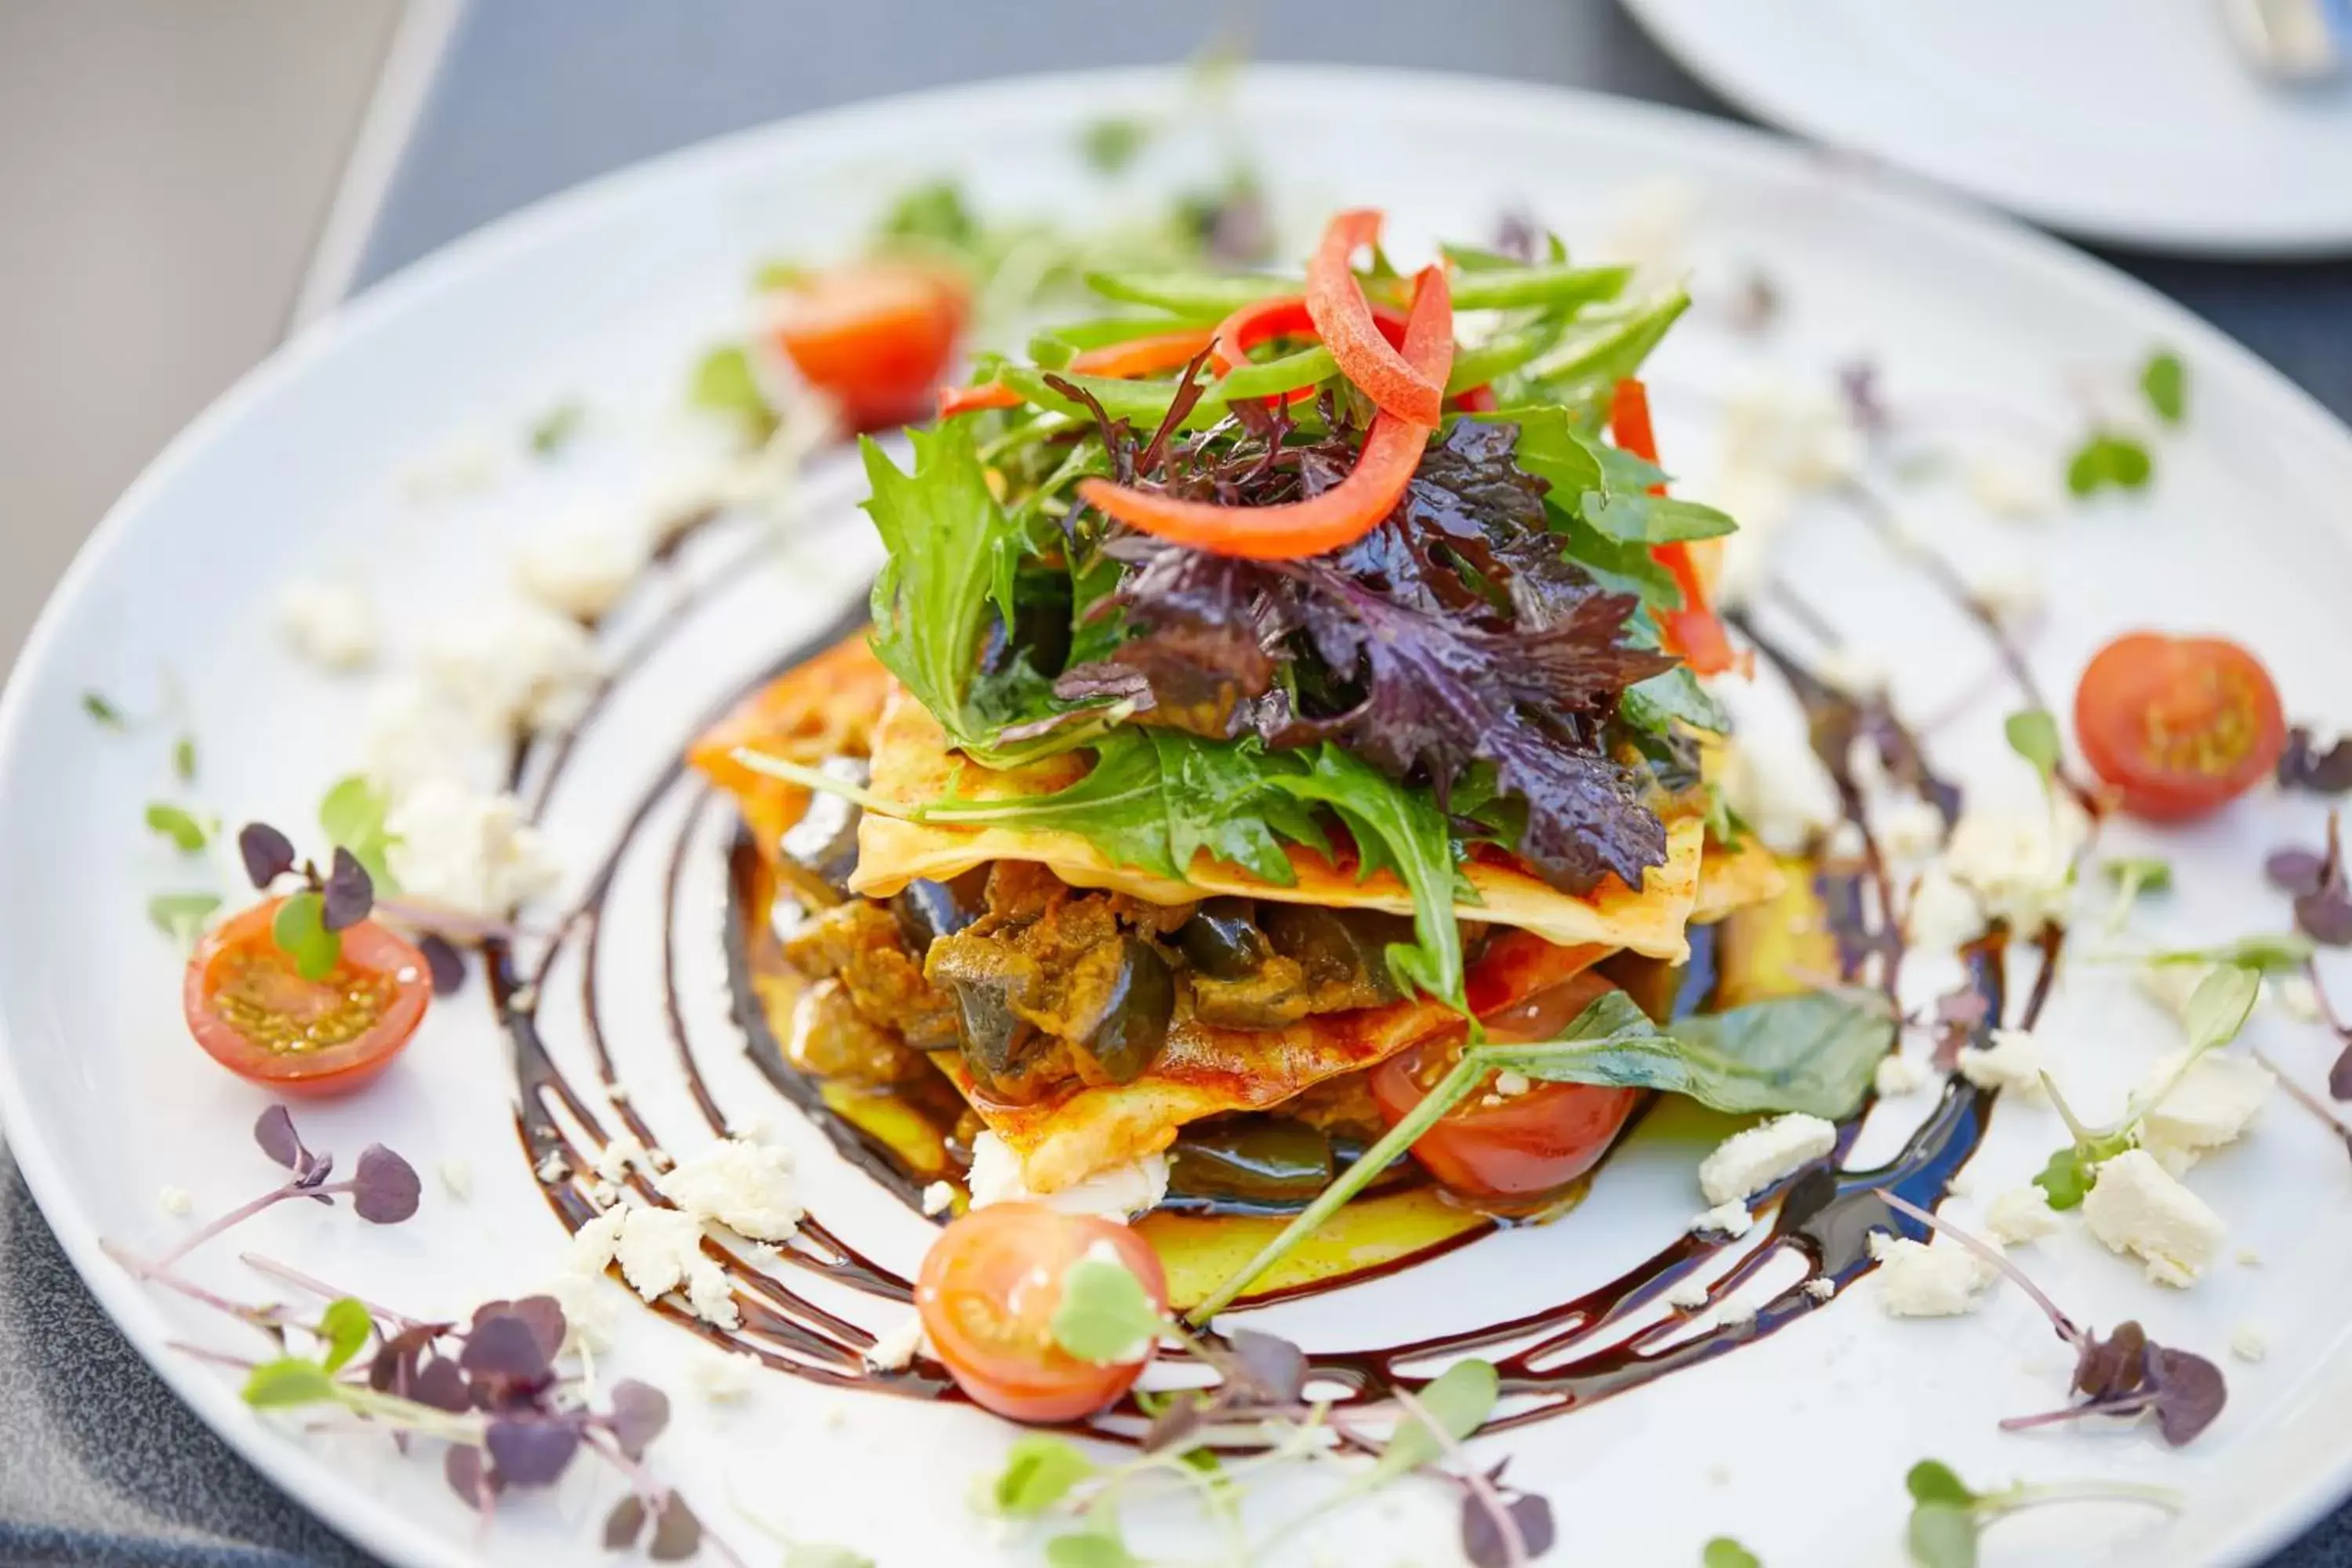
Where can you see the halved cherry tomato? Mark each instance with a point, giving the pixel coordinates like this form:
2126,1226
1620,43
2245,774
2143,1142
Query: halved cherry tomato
1137,356
875,336
1511,1149
2178,725
1284,316
1341,515
256,1017
1344,320
1693,631
988,1291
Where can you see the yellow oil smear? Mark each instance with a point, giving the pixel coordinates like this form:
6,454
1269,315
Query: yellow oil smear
1778,948
1200,1252
912,1138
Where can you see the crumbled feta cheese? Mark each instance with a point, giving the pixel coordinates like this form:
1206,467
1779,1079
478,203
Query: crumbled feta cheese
554,1168
748,1187
2297,996
1821,1288
2011,597
457,1179
722,1377
2249,1258
413,733
2021,1215
177,1202
659,1250
517,667
1845,842
1732,1219
2248,1343
1943,916
1778,787
581,569
939,1197
2211,1105
897,1346
620,1154
1898,1075
1690,1296
2012,1062
591,1308
1961,1183
2011,488
2019,864
1908,827
1916,1280
603,1194
1113,1193
1510,1085
2135,1205
1755,1157
330,624
1736,1312
1851,672
468,852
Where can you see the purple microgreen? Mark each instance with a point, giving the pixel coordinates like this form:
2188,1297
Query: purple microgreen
440,1384
447,963
268,853
544,1314
1858,385
470,1478
504,1361
1993,1256
1176,1422
639,1413
1483,1540
385,1188
2307,1100
2303,766
1449,1408
1276,1366
626,1523
532,1450
677,1533
2296,871
349,895
274,1130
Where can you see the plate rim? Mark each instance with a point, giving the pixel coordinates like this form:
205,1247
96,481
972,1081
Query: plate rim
1676,27
351,1510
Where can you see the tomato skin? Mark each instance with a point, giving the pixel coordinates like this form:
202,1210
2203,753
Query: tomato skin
1525,1146
876,337
2179,726
338,1070
989,1317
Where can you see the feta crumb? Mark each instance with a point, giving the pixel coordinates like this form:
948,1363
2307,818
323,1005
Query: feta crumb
619,1155
1916,1280
1756,1157
1509,1084
748,1187
590,1306
1898,1075
659,1250
603,1194
457,1179
1962,1182
2012,1061
465,466
330,624
1846,842
1732,1219
2214,1102
582,569
2248,1343
1113,1193
897,1346
2019,864
722,1377
2021,1215
413,733
2137,1206
1821,1288
1690,1296
2009,488
473,853
517,667
2294,995
1734,1313
177,1202
1851,673
939,1197
1942,916
1772,778
1908,827
552,1168
2249,1258
2012,596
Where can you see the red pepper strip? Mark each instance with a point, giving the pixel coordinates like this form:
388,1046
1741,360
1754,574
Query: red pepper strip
1341,515
1693,631
1137,356
1344,320
1284,316
1476,400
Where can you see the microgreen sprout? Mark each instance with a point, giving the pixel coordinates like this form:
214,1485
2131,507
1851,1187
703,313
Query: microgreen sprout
2131,875
183,759
490,1387
1725,1553
2309,1101
2322,901
309,922
2303,766
182,916
186,835
2165,383
2216,1011
553,430
1946,1515
2109,459
2125,1374
103,711
2033,734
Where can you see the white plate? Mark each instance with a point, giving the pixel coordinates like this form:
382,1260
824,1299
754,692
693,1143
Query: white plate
1796,1446
2117,120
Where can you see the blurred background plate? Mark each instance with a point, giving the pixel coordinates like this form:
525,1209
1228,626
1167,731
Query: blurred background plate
2141,123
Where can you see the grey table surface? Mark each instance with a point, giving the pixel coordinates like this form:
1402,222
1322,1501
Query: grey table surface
99,1463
